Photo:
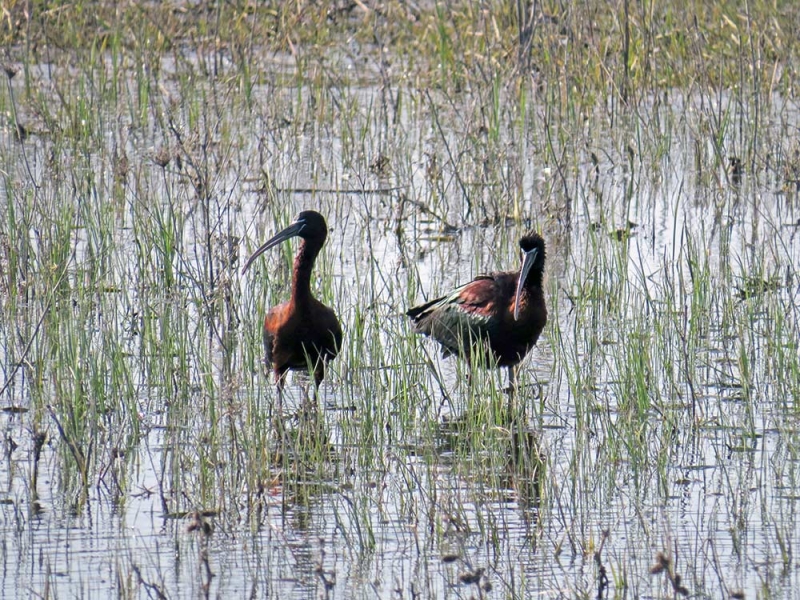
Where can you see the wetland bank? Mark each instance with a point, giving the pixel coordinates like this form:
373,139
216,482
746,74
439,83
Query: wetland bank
652,447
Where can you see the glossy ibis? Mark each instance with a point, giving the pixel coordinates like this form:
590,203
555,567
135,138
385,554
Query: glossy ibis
498,316
302,332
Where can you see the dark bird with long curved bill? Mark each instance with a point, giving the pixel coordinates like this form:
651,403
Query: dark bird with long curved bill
302,332
497,316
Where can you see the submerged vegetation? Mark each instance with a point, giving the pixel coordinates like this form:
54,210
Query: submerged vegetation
651,448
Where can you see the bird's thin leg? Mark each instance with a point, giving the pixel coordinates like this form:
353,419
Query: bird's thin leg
512,381
280,382
306,406
319,375
277,416
512,388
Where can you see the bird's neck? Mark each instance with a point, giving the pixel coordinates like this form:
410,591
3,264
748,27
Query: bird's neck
532,283
303,265
534,279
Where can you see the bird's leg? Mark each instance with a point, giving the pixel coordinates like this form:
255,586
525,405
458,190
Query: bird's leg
311,397
277,417
280,382
512,388
512,381
319,375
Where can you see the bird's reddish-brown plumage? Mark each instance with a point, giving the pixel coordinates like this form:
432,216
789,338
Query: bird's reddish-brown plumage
478,317
301,333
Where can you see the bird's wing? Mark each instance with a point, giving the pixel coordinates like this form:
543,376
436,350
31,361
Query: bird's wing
477,296
470,297
464,313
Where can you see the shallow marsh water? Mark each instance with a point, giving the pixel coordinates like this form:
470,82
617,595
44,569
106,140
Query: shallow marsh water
659,410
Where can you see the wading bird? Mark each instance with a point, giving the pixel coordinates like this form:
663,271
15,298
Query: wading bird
302,332
499,316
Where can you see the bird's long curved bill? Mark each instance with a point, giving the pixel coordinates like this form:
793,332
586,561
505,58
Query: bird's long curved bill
527,263
291,231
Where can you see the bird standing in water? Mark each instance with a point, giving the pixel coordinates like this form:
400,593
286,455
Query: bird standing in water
500,315
302,332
